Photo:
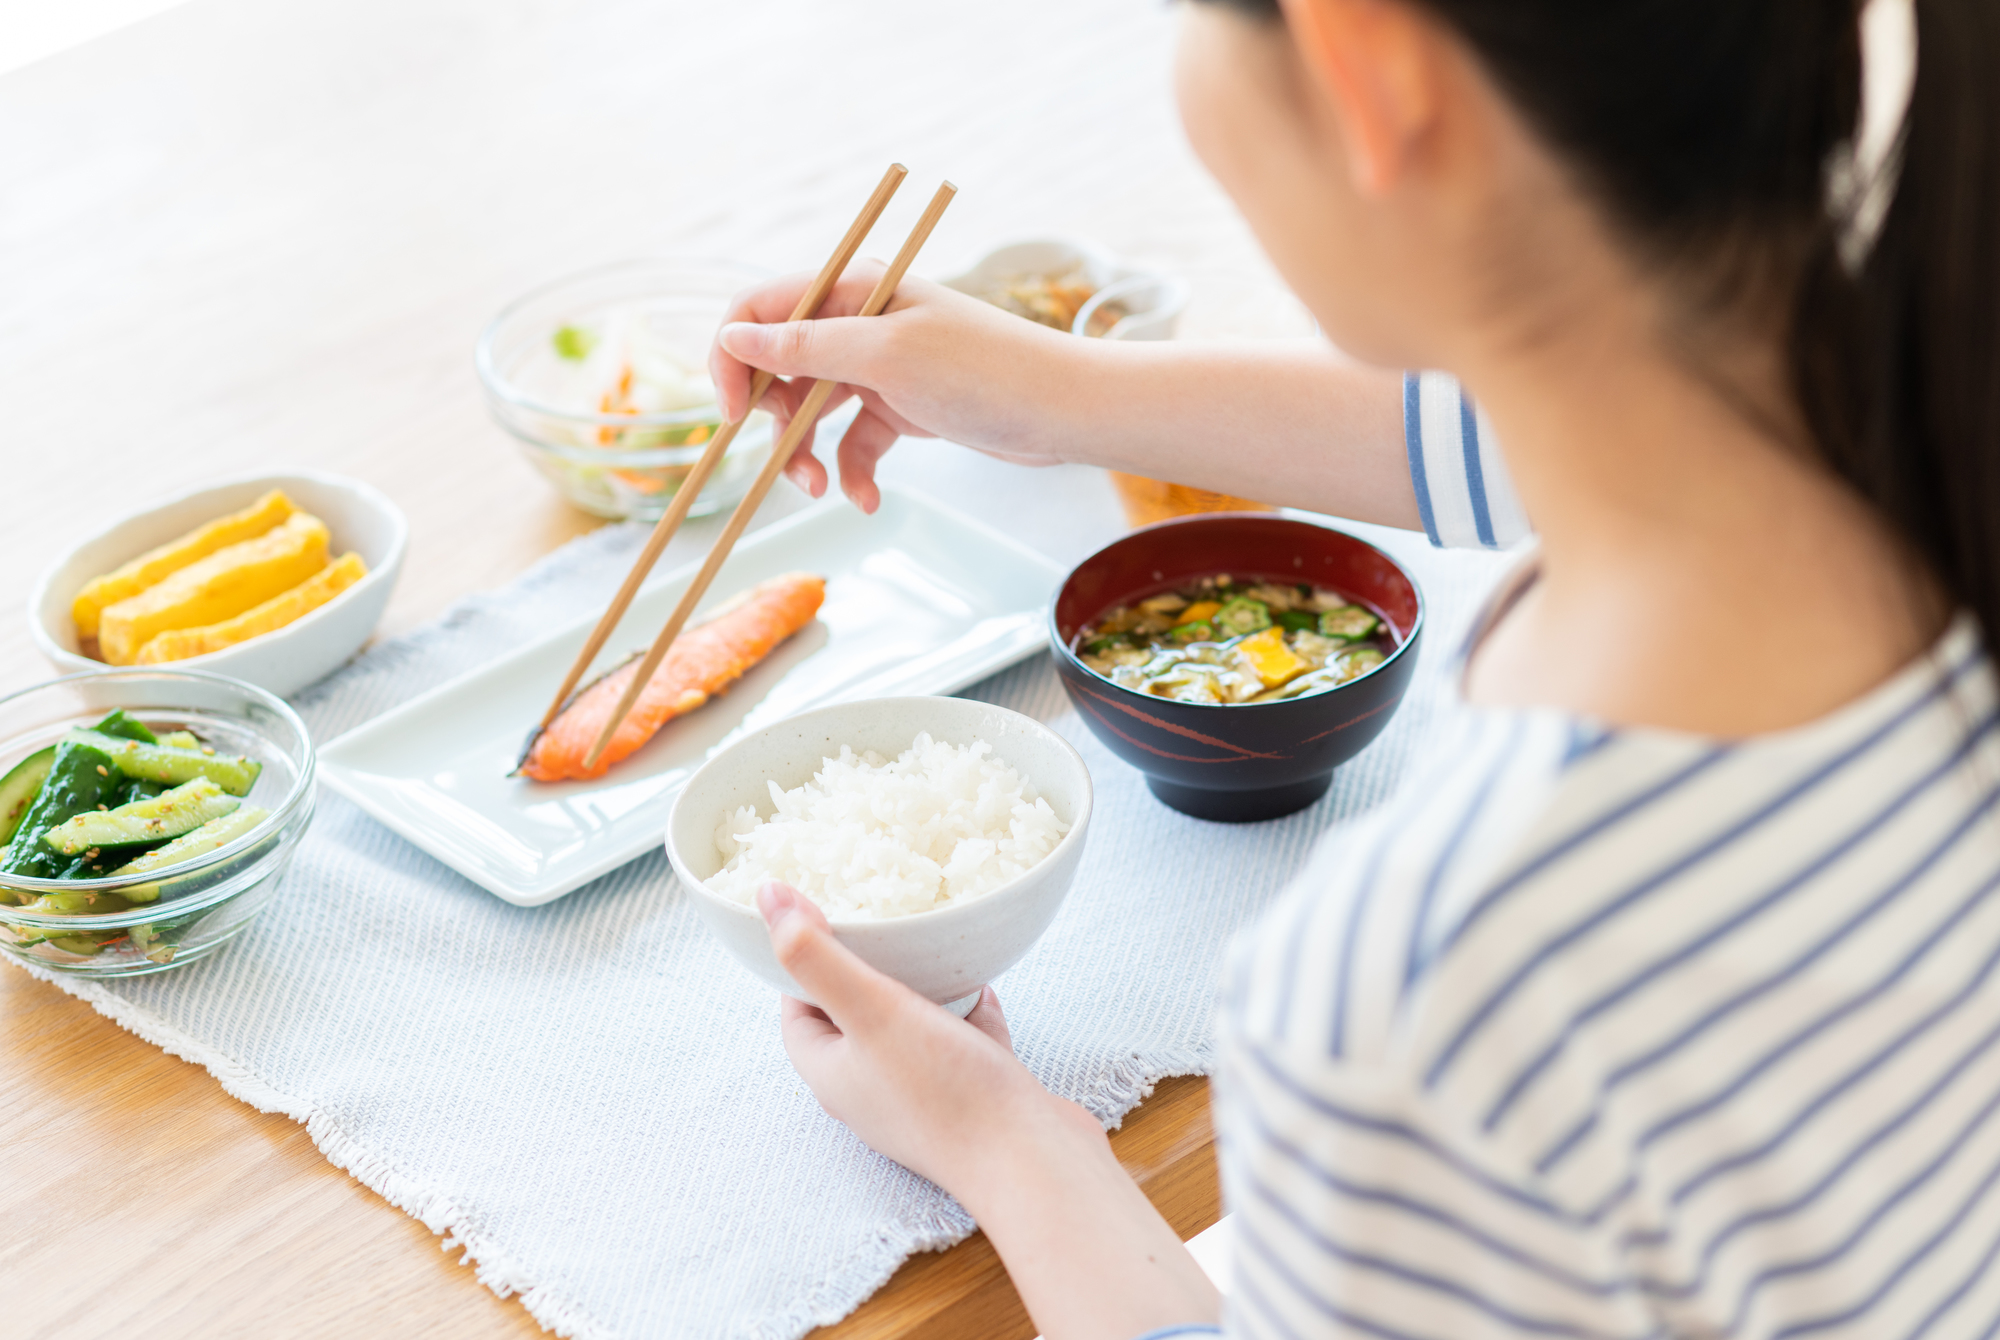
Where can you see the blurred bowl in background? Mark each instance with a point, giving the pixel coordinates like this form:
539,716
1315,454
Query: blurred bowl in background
1072,285
603,379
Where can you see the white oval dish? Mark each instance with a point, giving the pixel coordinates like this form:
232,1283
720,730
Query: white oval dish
281,662
945,955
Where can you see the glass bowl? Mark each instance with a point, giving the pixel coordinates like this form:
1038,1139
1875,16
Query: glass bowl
183,912
550,364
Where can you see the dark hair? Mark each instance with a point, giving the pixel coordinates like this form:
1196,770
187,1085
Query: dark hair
1705,128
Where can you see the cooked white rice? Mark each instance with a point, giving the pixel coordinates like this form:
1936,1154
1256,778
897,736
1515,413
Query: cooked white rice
872,837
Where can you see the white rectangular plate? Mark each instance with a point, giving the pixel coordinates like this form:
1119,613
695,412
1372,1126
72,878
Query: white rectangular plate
919,599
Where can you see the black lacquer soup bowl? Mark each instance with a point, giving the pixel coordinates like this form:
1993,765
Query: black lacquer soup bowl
1244,761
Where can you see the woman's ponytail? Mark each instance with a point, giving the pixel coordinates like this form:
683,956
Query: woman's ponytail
1897,360
1713,131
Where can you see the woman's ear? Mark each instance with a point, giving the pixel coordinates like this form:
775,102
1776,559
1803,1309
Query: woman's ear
1375,63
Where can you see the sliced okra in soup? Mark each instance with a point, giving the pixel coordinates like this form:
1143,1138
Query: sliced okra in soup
1241,615
1351,622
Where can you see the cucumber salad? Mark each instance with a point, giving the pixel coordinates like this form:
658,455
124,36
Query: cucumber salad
114,801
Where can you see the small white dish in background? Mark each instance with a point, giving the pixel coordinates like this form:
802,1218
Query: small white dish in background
945,954
919,599
282,661
1147,304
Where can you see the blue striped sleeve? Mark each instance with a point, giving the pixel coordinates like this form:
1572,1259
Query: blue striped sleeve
1169,1332
1464,494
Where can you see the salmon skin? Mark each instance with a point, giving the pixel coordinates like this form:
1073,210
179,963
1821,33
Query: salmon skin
703,662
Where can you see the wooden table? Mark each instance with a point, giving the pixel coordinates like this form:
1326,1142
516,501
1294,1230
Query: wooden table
243,236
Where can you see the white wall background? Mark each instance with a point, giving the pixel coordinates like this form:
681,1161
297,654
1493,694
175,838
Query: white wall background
32,29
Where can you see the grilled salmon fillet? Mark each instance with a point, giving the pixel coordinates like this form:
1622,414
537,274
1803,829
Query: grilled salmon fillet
703,662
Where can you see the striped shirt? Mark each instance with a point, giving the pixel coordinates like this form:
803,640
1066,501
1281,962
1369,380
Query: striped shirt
1618,1033
1464,495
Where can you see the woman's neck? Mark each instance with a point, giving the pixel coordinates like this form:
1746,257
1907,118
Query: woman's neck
1698,574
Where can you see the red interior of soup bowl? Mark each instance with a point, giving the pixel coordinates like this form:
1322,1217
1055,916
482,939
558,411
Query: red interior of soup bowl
1249,546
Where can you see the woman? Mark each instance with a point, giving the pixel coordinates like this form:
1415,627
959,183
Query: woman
1668,1003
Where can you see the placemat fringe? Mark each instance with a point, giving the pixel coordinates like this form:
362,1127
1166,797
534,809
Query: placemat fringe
434,1210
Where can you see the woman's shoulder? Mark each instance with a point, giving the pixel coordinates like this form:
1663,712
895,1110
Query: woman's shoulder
1540,855
1329,968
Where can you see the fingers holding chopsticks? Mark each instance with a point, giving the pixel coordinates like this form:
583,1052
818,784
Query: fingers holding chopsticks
756,318
864,443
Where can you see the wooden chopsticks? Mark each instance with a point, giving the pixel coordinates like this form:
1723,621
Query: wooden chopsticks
795,432
670,521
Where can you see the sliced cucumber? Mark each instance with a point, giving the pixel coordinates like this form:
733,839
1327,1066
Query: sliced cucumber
85,945
159,943
19,788
164,763
180,739
125,726
81,779
167,815
79,903
214,834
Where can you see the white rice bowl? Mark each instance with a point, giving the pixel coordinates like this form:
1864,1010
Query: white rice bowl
871,837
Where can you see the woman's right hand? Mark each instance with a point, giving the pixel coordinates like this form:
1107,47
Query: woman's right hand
937,363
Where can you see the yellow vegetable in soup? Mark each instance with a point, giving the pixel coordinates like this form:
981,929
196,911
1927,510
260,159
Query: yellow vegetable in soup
180,643
1270,659
1199,612
218,587
156,565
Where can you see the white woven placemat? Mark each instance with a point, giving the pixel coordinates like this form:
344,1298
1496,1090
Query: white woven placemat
590,1098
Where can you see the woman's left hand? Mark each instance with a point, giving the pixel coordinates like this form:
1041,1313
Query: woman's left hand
1091,1257
940,1095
